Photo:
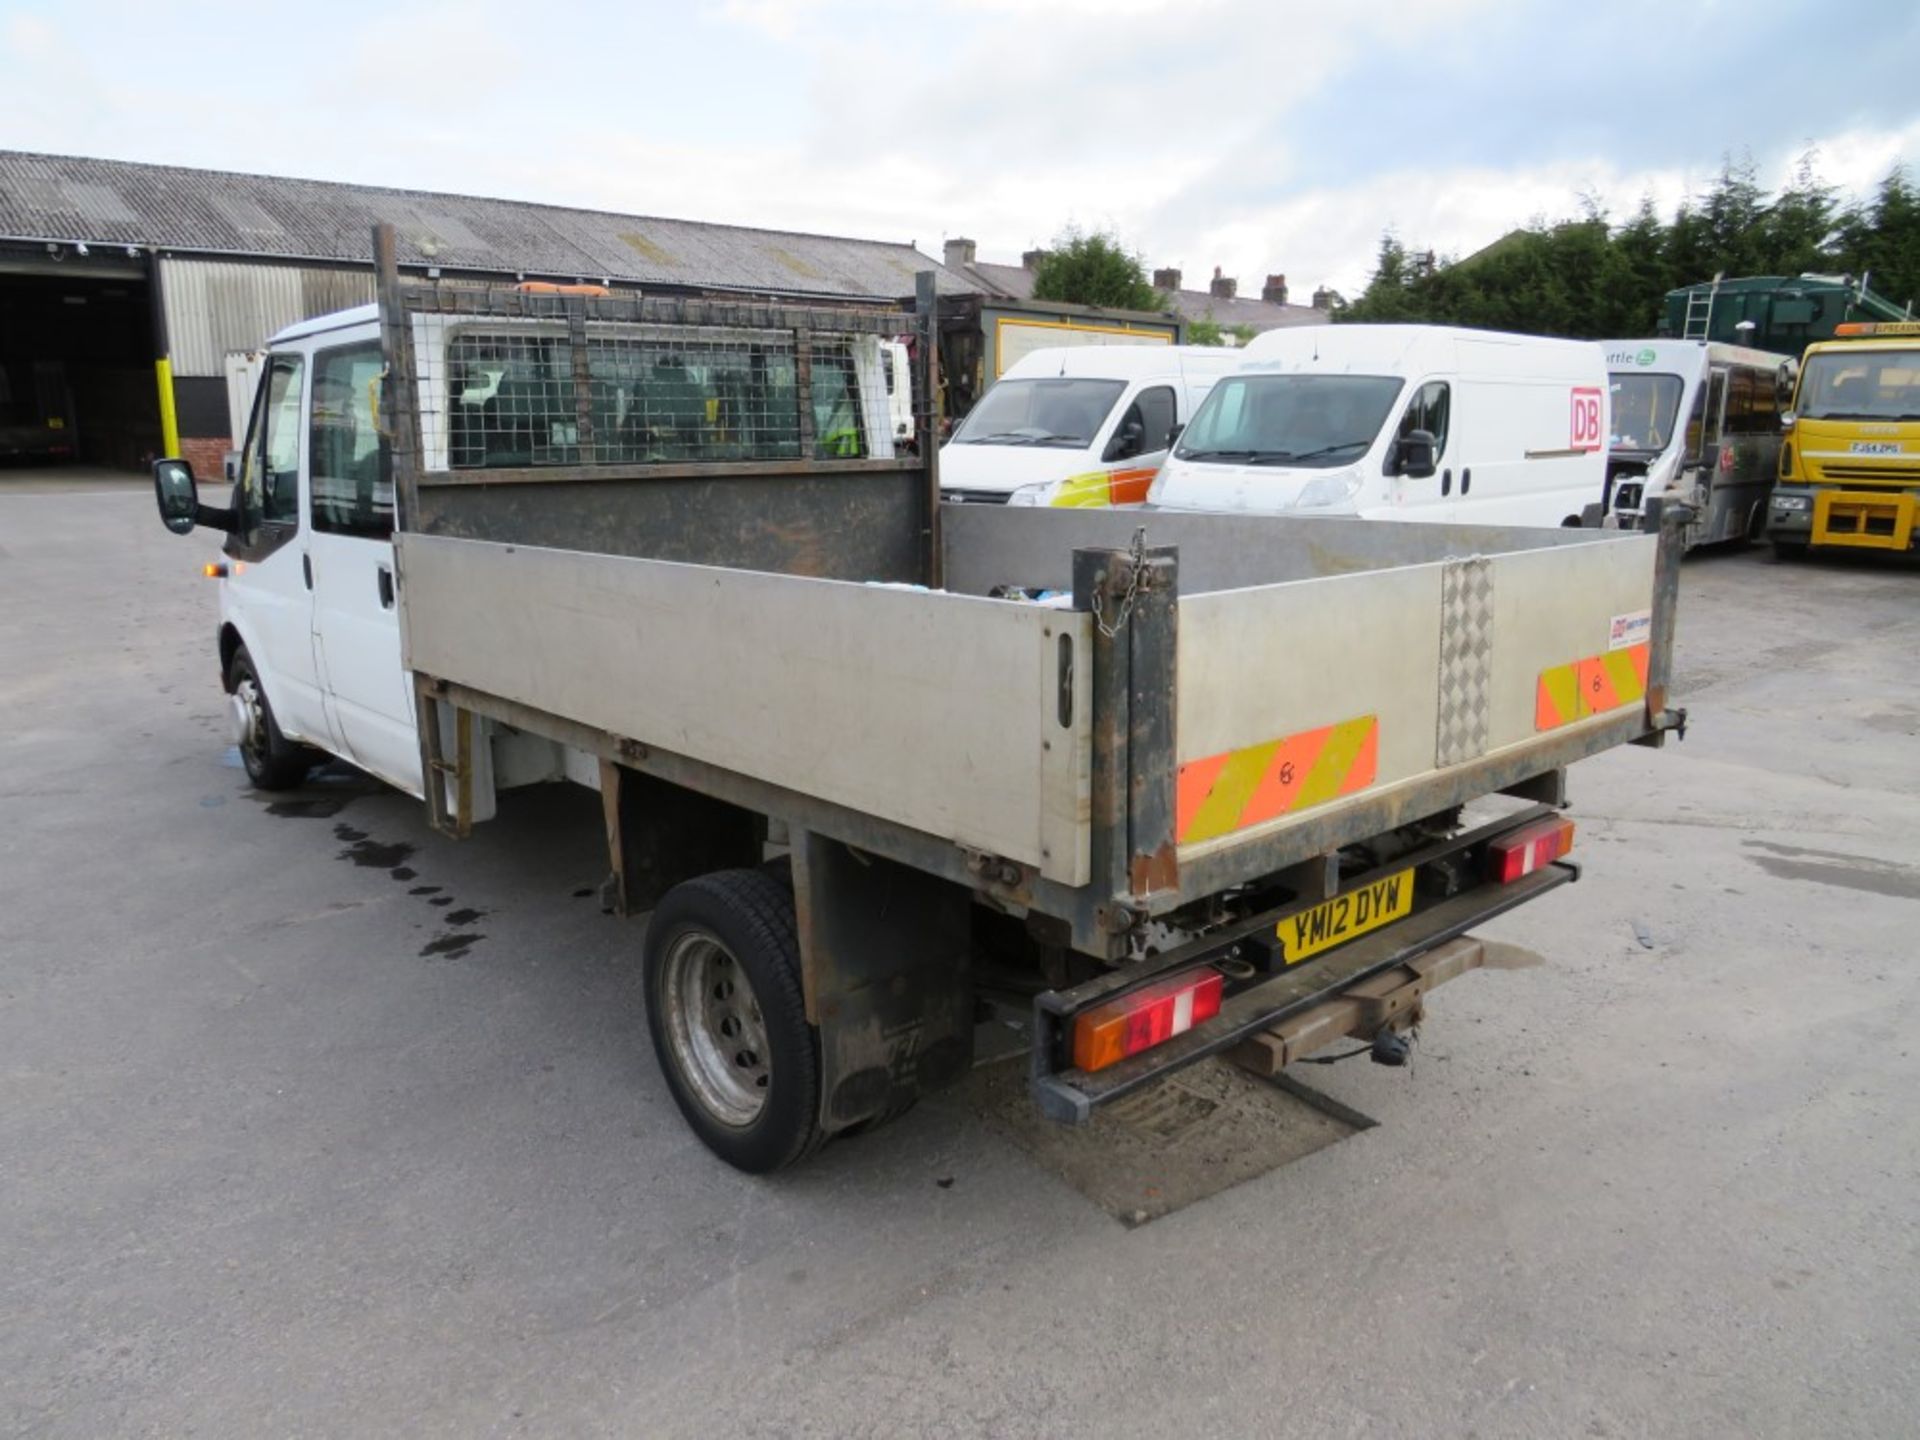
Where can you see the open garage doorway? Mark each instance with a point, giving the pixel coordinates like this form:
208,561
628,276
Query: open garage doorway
76,364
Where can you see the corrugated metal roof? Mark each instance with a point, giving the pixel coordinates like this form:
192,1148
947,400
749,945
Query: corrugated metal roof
1016,281
166,207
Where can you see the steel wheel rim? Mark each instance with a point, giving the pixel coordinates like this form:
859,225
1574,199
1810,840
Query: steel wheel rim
715,1029
253,745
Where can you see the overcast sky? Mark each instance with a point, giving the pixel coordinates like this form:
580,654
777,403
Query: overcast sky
1257,135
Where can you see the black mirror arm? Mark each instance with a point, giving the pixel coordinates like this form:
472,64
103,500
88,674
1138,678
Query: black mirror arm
216,517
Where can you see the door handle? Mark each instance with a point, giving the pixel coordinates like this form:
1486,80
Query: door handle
306,568
386,588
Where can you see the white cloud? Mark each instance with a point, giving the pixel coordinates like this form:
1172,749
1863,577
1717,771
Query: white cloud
1245,133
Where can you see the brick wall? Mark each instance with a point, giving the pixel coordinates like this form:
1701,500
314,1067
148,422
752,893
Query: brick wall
206,454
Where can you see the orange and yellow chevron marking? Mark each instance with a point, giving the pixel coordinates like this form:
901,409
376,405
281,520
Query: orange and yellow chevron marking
1100,488
1591,686
1229,792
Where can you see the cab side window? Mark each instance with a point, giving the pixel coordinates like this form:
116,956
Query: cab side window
352,494
1703,427
1151,417
270,469
1429,410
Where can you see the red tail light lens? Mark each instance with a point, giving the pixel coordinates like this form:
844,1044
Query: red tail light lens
1144,1018
1523,851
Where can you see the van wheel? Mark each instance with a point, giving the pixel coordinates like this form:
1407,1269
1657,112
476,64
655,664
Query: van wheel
273,762
728,1019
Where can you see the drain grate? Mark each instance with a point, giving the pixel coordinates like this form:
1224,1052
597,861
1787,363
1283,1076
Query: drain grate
1208,1128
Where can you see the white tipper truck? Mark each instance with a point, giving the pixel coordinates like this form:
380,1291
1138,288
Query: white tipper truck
1246,786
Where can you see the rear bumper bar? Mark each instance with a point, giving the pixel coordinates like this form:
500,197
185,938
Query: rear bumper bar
1070,1096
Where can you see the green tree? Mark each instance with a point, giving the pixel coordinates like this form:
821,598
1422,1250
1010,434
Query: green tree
1389,295
1633,276
1797,230
1094,268
1881,239
1205,331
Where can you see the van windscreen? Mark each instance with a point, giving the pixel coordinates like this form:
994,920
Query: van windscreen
1313,421
1644,409
1061,413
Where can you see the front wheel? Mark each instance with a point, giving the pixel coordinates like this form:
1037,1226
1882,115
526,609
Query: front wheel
273,762
728,1019
1786,551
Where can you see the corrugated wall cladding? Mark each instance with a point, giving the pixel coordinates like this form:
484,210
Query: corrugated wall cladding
215,307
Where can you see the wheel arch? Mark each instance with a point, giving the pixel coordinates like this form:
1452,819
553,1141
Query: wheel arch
230,643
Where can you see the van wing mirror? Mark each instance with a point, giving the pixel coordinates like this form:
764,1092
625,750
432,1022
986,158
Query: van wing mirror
1126,440
177,494
1173,435
1417,454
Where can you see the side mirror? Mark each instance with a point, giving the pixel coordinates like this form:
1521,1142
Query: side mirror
1417,459
1173,435
1787,417
1126,440
177,495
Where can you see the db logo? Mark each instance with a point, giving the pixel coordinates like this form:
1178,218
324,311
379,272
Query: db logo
1585,429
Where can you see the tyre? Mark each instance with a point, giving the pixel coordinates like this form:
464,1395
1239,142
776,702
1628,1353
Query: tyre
728,1019
273,762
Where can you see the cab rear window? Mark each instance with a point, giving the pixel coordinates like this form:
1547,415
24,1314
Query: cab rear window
662,395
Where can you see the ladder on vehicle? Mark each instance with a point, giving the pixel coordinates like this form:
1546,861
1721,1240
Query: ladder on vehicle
1699,321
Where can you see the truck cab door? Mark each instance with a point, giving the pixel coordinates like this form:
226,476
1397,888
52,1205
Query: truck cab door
356,615
269,588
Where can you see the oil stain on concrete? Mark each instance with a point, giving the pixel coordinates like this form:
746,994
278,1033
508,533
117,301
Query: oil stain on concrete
1832,867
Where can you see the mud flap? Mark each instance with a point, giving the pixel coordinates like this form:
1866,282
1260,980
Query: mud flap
884,950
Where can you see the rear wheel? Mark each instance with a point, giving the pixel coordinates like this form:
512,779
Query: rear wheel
273,762
728,1020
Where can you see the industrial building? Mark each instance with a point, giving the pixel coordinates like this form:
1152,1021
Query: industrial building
131,295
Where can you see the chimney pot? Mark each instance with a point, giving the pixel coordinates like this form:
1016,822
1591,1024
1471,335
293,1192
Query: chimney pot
1274,292
1167,279
1323,299
959,253
1222,286
1030,259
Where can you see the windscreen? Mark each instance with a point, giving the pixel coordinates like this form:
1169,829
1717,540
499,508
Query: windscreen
1313,421
1864,385
1062,413
1644,409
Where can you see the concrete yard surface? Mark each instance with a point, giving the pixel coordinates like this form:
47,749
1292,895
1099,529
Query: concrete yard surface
315,1124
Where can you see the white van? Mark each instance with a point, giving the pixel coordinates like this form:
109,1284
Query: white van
1404,422
1079,425
895,370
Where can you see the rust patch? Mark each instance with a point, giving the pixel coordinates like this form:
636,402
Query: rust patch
1158,871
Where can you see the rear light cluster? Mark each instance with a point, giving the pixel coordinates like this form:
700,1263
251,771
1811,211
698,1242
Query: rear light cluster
1523,851
1143,1018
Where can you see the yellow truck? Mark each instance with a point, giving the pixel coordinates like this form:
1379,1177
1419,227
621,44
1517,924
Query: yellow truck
1850,467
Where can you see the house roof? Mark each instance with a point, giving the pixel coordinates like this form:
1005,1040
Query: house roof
69,199
1016,281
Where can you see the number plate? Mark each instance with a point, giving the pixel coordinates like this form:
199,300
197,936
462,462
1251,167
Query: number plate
1345,917
1875,447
